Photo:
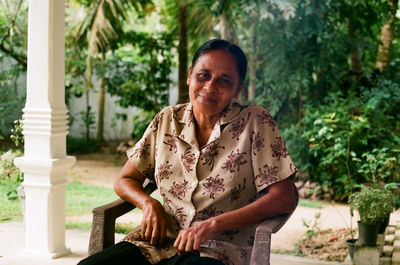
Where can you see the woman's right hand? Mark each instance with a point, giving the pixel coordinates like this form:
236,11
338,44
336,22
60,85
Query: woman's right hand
129,186
153,222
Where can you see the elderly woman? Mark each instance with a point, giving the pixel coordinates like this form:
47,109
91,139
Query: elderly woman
220,167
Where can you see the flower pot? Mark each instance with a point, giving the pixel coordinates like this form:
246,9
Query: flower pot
383,225
351,245
367,234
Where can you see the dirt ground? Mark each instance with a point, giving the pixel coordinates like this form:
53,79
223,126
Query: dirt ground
317,233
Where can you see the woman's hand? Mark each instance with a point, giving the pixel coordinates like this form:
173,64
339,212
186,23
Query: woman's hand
153,222
190,239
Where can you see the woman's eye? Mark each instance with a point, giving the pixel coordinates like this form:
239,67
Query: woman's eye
225,82
203,76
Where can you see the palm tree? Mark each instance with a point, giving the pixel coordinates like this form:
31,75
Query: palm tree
100,29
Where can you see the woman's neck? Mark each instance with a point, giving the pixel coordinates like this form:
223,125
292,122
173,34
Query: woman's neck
204,126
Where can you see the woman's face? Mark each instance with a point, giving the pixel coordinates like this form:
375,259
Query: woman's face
213,82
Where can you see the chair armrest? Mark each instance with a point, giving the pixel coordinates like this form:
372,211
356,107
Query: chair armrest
262,238
102,234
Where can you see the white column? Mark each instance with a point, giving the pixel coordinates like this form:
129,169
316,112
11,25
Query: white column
45,163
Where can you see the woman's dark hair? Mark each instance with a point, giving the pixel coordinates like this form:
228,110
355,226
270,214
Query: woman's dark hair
219,44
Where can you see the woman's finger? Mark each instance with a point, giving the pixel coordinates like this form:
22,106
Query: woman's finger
148,232
196,243
143,231
163,232
177,241
182,243
155,236
189,243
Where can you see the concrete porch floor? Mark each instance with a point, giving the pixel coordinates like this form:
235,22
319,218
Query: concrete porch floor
12,238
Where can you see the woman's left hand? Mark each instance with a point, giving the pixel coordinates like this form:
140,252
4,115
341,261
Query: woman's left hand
189,239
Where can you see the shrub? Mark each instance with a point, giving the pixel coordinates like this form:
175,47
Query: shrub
342,136
81,145
10,176
373,205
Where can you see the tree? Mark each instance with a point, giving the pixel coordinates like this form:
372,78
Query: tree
100,29
13,26
387,36
13,61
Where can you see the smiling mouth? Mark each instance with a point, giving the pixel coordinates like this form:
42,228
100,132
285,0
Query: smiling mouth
207,99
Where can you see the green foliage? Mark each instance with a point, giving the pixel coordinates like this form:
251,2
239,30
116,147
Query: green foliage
373,205
379,165
141,122
10,210
10,176
312,226
11,100
81,145
13,31
16,134
139,74
356,137
13,58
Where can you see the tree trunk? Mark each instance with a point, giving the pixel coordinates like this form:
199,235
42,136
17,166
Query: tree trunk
183,55
356,65
100,122
227,32
88,87
387,35
252,80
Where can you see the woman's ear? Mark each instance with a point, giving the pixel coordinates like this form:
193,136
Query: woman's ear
190,73
239,89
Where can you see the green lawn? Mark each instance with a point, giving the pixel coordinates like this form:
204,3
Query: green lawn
80,199
10,210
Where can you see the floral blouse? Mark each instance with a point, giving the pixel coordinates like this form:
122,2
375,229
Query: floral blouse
244,155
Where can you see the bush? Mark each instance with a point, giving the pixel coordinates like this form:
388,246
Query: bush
373,205
336,140
81,145
10,176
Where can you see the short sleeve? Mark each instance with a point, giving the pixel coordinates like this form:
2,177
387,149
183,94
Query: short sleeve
142,154
270,159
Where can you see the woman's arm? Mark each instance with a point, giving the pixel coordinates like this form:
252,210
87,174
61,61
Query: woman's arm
279,199
128,186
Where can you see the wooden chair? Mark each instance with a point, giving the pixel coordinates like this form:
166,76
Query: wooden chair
103,228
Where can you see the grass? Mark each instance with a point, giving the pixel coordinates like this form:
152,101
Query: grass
310,204
120,228
293,252
10,210
81,199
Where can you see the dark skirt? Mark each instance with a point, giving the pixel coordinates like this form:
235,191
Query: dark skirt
126,253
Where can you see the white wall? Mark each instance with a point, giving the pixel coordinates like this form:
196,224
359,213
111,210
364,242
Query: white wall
114,129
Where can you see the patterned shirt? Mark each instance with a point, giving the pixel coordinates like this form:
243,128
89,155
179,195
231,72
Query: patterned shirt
244,155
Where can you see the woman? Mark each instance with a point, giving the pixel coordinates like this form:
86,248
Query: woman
220,167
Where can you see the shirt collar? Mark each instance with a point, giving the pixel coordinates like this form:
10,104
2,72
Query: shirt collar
184,113
230,113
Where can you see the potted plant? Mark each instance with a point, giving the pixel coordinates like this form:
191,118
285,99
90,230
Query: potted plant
373,206
379,165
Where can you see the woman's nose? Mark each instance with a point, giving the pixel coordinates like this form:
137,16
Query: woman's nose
211,85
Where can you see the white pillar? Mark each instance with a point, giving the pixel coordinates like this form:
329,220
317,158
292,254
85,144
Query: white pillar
45,128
